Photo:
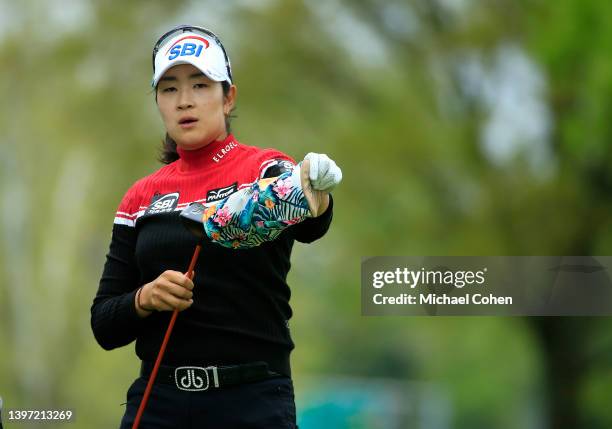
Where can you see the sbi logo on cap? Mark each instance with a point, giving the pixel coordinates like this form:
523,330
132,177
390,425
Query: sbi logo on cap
187,49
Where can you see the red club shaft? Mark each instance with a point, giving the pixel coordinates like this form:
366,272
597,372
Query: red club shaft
162,349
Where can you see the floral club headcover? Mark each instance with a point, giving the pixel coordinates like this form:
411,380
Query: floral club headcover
257,213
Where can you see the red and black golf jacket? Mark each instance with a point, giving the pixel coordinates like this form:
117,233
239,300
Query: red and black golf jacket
241,305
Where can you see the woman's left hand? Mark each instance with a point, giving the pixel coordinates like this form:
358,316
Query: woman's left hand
319,175
324,173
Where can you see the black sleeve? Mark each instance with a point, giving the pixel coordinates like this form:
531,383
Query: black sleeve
114,320
315,227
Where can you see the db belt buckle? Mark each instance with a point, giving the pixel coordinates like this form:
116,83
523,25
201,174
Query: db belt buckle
195,378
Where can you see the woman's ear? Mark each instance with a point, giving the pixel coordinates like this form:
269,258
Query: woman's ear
229,100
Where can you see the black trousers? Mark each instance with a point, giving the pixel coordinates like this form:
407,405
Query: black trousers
267,404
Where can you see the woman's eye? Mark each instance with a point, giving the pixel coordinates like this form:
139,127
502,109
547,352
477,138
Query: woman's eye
200,85
169,89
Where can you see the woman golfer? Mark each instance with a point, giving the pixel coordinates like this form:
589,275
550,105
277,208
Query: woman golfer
227,361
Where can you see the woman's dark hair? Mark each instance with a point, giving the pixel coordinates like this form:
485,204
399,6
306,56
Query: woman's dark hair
168,151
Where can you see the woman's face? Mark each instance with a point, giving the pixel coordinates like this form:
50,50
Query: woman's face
193,107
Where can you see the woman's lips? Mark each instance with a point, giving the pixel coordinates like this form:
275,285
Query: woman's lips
188,123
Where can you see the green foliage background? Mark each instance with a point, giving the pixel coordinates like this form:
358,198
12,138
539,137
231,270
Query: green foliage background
377,85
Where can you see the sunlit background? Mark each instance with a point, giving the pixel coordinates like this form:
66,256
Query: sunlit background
463,127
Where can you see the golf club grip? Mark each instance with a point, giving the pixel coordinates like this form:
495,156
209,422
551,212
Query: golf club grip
162,349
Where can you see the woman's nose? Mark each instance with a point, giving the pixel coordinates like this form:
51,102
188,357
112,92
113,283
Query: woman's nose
185,100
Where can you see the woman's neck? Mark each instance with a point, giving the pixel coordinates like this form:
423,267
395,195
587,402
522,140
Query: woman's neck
193,160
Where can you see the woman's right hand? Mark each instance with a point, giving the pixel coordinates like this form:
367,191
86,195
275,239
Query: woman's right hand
171,290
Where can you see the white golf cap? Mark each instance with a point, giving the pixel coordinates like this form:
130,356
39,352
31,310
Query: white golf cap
195,48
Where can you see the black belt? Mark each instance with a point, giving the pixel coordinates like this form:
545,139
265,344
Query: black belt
197,378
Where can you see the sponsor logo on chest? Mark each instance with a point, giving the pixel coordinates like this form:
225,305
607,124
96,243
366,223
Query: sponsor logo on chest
220,193
162,204
224,151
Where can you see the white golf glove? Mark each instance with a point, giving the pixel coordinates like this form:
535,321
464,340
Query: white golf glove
324,173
